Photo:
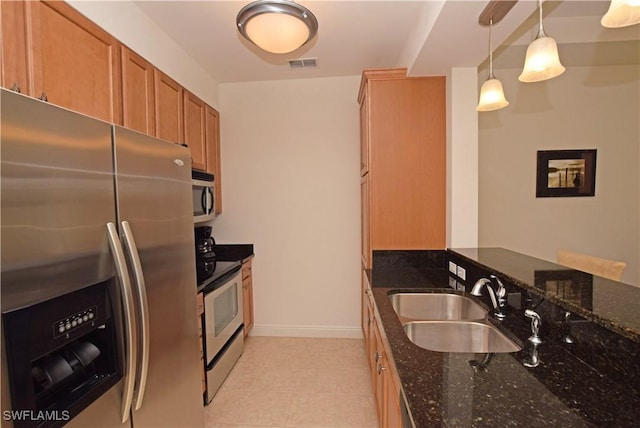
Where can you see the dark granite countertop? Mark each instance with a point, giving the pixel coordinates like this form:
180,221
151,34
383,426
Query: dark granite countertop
443,389
611,304
233,252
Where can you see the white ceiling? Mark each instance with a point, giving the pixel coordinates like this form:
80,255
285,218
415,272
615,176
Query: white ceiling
428,37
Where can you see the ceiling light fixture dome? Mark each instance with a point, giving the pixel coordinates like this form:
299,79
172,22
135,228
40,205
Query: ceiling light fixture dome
277,26
542,61
622,13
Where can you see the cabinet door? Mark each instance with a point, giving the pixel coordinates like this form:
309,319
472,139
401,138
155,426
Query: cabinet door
213,152
364,134
393,412
365,222
75,63
168,107
247,305
194,130
137,93
379,386
13,53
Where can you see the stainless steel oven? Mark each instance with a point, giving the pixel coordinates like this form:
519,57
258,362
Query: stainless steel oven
223,328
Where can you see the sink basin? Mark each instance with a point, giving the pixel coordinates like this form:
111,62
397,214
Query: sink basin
459,336
435,306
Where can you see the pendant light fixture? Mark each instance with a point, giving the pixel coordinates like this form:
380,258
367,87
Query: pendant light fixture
277,26
622,13
542,61
491,92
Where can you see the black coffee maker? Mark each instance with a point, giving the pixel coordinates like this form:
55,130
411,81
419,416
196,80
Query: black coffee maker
205,256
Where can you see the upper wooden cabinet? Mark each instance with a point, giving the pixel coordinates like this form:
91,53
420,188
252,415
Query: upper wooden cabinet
50,51
405,136
168,108
13,55
137,93
73,63
194,130
212,122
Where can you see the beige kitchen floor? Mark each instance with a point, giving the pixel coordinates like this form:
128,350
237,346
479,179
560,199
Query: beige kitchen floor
296,382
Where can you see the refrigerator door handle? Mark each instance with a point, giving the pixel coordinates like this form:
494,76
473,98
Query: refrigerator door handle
141,292
129,327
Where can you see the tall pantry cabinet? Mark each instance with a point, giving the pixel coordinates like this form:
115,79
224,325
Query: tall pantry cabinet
403,196
402,167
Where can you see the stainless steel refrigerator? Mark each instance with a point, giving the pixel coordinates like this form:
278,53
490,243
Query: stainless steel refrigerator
97,274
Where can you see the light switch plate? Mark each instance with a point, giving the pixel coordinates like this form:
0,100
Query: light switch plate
453,268
462,273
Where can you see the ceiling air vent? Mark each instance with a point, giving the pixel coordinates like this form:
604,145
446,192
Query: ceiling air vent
303,63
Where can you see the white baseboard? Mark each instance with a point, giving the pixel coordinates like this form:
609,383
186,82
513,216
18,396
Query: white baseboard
306,331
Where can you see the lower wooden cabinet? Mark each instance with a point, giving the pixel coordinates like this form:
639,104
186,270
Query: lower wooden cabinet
247,297
385,381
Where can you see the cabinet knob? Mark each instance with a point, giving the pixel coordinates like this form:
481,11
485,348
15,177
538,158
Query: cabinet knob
43,97
380,368
16,87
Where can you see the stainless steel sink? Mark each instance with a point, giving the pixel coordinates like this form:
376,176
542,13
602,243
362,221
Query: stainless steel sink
435,306
459,336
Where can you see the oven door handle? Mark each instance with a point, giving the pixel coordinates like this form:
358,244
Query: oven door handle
131,349
143,306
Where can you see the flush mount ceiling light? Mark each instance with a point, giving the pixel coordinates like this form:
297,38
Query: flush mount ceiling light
491,92
542,61
622,13
277,26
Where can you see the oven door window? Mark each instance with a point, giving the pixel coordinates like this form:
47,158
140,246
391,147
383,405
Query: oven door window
226,308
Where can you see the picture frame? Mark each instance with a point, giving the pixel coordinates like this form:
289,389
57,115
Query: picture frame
566,173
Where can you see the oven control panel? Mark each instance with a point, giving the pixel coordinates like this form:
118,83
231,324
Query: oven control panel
71,322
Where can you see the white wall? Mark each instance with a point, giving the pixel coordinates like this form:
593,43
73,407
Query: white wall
462,158
127,23
291,186
585,108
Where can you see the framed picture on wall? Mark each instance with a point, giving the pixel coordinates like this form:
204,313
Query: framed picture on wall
566,173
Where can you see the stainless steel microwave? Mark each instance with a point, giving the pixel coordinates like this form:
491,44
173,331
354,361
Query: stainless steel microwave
204,204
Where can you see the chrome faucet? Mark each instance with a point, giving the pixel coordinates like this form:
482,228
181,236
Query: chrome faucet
498,295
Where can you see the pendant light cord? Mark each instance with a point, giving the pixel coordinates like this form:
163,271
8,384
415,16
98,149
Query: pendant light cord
540,29
491,76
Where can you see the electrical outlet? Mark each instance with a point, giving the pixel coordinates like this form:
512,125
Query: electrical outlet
453,267
462,273
453,283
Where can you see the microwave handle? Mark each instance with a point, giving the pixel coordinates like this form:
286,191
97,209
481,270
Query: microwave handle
209,204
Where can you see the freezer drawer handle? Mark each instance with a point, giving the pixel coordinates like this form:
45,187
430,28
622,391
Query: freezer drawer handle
131,350
141,292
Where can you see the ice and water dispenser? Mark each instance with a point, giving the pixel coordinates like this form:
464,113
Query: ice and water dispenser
62,354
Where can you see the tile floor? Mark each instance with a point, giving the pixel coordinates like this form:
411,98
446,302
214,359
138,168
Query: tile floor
296,382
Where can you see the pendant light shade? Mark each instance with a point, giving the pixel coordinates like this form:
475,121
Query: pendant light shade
542,61
622,13
491,96
277,26
491,92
